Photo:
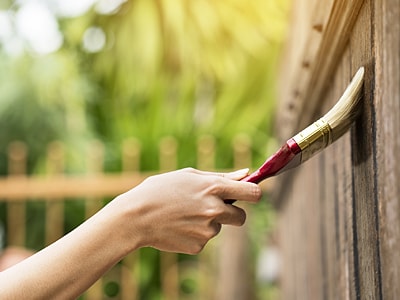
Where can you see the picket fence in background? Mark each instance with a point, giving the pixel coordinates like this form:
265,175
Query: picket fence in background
55,188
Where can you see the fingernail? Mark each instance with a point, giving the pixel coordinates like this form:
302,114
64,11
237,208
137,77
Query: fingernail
244,171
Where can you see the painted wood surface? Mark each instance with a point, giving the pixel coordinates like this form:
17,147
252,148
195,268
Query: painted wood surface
339,213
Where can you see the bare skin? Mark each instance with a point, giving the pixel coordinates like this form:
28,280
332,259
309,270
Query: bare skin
178,211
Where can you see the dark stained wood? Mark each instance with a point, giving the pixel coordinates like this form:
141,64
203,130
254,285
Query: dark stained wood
303,84
339,213
387,114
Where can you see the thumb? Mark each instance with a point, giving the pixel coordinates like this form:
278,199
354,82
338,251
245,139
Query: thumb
237,175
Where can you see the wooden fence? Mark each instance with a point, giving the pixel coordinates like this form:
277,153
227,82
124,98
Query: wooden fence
339,214
55,188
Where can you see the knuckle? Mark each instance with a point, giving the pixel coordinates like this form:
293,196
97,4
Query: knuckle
256,192
213,210
188,170
213,229
196,249
216,229
216,187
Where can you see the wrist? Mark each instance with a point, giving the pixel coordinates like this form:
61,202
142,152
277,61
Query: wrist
126,222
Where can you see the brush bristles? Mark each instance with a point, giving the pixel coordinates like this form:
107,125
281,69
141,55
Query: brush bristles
342,115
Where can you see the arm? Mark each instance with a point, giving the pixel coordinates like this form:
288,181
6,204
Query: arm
177,211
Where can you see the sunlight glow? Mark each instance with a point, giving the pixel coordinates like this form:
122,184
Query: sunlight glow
37,25
94,39
70,8
34,24
106,7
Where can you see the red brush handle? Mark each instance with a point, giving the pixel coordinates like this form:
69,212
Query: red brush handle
273,164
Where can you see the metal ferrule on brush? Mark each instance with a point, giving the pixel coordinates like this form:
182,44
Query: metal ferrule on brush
314,138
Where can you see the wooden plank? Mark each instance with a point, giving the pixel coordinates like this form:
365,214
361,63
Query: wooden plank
169,270
328,238
55,208
306,192
16,212
285,237
130,267
364,165
344,241
299,235
343,193
337,168
15,188
310,19
304,81
206,161
234,279
387,109
360,205
95,161
313,213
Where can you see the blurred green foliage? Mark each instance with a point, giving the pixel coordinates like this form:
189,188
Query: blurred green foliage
181,68
146,69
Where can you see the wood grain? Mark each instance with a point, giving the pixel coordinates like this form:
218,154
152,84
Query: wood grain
339,214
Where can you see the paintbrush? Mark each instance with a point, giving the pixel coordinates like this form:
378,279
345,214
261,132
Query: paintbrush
315,137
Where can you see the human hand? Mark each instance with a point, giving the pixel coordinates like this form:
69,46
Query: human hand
177,211
180,211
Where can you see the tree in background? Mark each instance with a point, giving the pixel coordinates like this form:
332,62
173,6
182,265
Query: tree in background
140,68
115,69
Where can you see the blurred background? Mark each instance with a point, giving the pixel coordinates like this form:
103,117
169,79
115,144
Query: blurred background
145,71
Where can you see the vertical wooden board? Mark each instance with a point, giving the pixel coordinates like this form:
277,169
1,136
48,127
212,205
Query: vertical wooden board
169,271
350,224
339,170
295,253
348,287
360,207
54,207
285,244
325,177
387,102
329,222
130,268
345,275
299,229
338,286
299,216
364,165
94,160
54,221
16,212
286,236
234,278
313,215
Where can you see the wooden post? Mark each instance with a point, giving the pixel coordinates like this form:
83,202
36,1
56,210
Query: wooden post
16,211
169,261
54,207
387,98
207,258
234,277
95,159
130,269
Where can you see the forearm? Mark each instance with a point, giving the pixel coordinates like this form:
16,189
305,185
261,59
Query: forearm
177,211
68,267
